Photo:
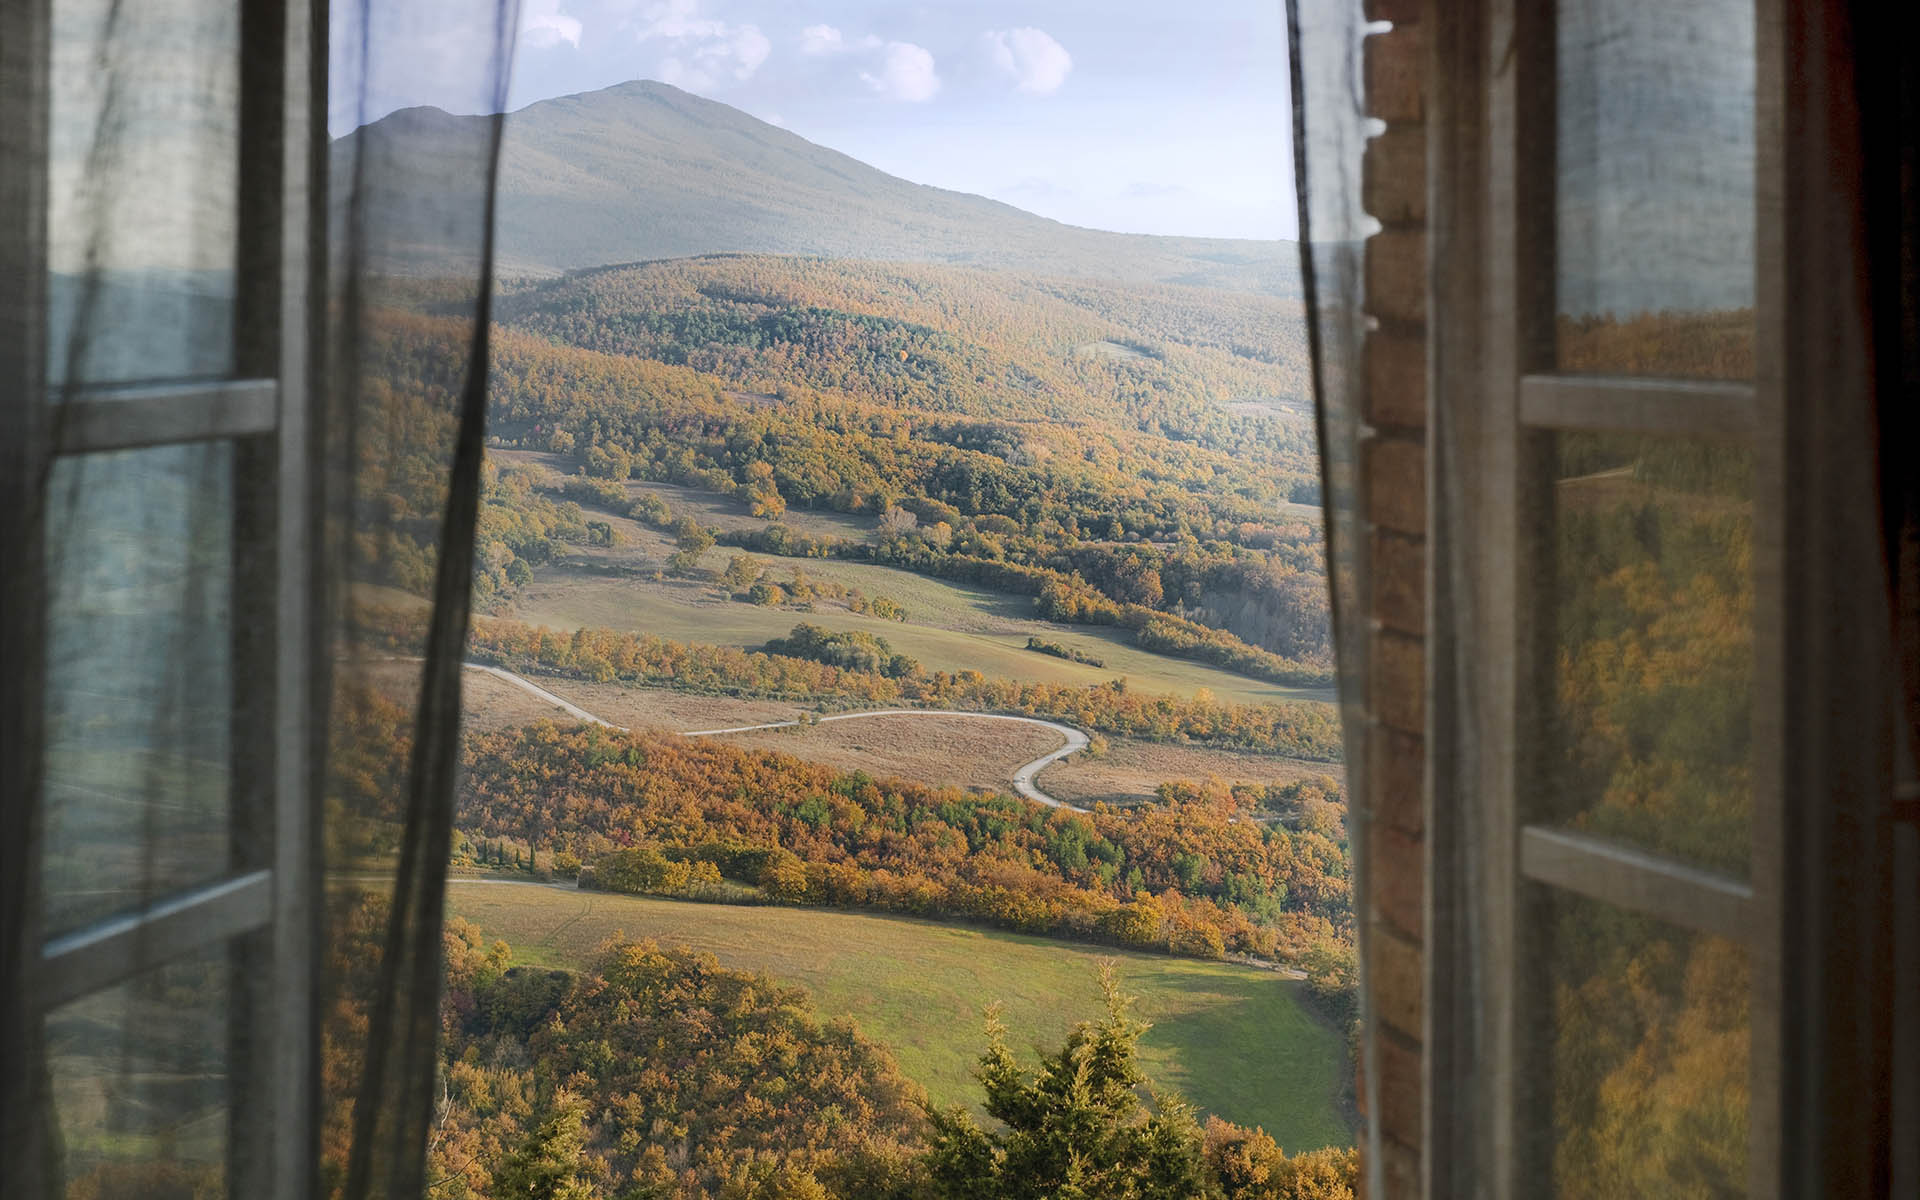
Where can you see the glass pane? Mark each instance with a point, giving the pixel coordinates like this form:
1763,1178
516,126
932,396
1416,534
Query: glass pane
138,1076
143,205
1644,1028
1655,187
1648,730
138,678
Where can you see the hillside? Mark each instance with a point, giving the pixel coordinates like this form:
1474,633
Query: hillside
646,171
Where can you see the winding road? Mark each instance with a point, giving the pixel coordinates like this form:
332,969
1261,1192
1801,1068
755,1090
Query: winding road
1023,779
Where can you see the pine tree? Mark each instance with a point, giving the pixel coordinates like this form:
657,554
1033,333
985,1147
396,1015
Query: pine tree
1076,1127
550,1163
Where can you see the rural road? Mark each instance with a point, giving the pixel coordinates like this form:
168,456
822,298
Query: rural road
1022,778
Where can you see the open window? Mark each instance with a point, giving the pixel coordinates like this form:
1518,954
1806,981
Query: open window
160,853
1661,907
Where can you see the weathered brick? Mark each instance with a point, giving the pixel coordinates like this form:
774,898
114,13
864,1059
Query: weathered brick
1398,777
1397,275
1400,12
1397,485
1396,378
1397,686
1400,1117
1397,875
1399,582
1393,176
1394,975
1395,64
1400,1170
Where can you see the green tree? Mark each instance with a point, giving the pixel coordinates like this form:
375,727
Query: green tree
691,541
742,571
549,1164
1075,1127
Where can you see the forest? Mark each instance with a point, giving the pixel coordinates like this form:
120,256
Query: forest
1145,457
1194,874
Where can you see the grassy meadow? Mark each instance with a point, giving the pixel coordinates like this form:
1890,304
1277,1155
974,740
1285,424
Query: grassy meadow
949,627
1234,1040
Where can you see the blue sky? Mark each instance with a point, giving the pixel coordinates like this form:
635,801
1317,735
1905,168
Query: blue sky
1133,115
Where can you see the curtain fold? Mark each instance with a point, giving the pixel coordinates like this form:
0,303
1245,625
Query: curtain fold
1330,127
408,386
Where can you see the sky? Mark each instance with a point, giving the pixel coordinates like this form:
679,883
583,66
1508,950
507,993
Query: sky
1132,115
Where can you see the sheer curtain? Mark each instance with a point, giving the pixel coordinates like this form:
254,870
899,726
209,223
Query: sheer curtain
244,368
1330,128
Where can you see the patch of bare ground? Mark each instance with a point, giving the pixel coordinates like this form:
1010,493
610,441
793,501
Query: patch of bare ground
658,708
941,751
486,701
1129,771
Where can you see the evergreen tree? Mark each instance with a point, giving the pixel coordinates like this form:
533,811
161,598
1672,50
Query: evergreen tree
1074,1129
549,1164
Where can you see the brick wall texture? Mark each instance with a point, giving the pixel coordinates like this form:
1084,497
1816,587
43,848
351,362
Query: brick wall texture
1394,460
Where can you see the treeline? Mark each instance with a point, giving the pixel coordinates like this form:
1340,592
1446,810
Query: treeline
1302,730
1190,875
1064,596
1070,599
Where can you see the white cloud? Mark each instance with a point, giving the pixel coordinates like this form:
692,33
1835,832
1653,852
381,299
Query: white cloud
678,19
1038,64
706,52
906,73
821,39
543,25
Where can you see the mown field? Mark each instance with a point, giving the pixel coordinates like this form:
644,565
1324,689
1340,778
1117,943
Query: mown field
1234,1040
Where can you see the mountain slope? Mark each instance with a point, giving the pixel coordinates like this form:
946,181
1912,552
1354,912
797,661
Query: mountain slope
646,171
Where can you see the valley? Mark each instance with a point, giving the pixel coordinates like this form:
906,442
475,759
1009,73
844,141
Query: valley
910,620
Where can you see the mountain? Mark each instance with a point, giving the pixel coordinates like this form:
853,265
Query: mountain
645,171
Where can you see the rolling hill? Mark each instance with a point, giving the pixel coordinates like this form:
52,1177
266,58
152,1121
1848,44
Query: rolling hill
644,171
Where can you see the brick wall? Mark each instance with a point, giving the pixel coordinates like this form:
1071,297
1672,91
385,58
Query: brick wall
1394,490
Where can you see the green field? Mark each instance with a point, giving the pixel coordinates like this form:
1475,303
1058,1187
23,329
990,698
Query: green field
949,626
1236,1041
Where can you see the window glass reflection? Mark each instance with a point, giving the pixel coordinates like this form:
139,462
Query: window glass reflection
1655,188
1649,736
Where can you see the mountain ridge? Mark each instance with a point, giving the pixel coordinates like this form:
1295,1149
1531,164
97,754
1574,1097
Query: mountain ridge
643,171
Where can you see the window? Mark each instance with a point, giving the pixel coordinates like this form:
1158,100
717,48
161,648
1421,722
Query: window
158,325
1660,909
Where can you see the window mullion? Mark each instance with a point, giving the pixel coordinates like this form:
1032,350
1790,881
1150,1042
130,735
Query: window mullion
124,418
104,954
1686,408
1629,879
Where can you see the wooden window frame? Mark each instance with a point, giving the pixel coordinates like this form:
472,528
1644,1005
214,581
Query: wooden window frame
264,911
1810,911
